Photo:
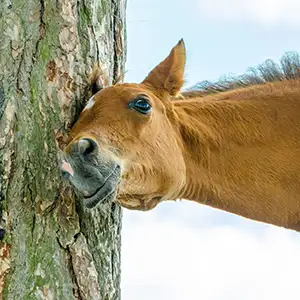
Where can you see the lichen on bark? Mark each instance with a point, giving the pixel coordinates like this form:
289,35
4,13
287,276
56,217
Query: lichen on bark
53,248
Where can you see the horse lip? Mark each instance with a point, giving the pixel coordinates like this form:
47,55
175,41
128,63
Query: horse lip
93,199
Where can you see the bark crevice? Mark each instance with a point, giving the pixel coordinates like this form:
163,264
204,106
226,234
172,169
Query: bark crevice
115,38
41,30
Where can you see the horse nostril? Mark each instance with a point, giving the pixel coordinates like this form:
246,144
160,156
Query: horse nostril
87,146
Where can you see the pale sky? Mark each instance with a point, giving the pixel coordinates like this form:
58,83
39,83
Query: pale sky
187,251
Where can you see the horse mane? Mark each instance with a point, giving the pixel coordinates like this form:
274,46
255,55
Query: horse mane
288,68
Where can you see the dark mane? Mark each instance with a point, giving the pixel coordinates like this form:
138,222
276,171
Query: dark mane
288,68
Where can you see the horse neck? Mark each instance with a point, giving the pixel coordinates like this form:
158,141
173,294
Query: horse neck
235,154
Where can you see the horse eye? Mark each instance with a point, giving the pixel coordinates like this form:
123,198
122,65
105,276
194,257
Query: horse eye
141,105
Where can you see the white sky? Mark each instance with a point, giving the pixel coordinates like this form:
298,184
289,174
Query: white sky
264,11
184,250
169,259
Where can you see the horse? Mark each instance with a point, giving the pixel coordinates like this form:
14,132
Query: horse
233,145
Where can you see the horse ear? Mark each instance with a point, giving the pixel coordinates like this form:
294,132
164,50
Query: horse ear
168,75
95,80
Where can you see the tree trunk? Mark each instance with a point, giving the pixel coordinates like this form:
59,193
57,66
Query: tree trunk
53,248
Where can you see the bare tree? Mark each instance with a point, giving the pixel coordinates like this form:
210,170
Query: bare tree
50,247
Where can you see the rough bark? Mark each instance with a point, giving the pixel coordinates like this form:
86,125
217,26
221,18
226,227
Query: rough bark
53,248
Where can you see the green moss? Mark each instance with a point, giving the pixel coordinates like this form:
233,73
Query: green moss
86,13
45,52
5,288
102,10
48,45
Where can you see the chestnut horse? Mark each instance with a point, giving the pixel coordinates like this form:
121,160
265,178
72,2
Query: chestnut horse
234,145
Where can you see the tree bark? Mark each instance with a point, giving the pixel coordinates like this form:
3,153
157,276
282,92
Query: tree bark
53,248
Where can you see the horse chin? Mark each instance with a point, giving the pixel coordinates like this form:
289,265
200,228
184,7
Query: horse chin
97,199
106,192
